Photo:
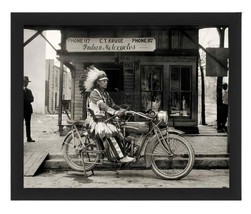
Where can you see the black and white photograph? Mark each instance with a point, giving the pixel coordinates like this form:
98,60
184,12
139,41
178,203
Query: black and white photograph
127,103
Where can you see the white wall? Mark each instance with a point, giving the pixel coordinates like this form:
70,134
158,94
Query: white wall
34,68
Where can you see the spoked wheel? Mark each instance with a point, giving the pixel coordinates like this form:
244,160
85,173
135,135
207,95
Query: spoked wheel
175,163
75,154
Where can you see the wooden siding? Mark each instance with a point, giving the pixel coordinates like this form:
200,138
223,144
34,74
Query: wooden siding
129,87
78,100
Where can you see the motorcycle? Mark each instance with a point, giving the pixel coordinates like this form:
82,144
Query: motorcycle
142,135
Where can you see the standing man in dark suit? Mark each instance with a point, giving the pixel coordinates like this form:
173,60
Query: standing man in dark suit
224,108
28,99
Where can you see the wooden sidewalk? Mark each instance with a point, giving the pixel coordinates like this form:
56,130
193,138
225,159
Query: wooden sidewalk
32,161
208,131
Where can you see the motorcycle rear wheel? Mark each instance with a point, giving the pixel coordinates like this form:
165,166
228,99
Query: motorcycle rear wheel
176,165
81,160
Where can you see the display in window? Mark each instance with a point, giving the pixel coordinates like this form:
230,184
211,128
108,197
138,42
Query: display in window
180,91
179,104
174,104
185,105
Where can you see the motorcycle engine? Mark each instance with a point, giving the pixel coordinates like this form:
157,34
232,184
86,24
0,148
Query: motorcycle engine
133,143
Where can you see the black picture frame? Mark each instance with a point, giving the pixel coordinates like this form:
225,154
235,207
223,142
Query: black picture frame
19,20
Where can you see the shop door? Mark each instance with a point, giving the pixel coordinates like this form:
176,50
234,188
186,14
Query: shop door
115,75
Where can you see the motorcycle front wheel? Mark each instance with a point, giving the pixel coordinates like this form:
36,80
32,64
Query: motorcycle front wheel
173,163
81,159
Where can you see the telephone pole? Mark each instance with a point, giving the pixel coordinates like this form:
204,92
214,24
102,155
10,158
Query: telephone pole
221,32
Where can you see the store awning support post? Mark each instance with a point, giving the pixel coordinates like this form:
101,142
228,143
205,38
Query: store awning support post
60,98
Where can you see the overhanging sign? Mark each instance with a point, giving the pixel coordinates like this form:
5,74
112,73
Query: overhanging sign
110,44
217,65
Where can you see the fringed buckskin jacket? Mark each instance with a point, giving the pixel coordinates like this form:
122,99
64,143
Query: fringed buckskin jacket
100,105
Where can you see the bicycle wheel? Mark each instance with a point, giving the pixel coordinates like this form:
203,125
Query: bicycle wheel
176,164
75,156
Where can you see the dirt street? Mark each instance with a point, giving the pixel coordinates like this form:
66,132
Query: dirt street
44,125
127,179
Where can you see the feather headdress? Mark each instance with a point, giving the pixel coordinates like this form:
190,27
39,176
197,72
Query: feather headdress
88,78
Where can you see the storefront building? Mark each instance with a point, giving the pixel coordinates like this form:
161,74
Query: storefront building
52,84
147,66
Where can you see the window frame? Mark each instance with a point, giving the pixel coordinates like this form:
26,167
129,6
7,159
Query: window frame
150,91
180,91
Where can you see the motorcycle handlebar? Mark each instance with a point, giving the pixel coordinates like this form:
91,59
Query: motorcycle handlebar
137,113
110,118
125,112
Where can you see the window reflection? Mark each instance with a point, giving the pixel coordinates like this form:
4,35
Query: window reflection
151,87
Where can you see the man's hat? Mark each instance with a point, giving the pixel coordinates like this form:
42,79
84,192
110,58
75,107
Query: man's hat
26,79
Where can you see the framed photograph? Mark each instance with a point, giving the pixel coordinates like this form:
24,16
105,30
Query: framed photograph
126,106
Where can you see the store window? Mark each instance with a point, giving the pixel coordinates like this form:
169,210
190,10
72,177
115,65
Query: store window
151,87
180,91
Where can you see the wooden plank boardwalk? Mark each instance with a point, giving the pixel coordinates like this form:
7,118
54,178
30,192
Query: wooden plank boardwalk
32,161
208,131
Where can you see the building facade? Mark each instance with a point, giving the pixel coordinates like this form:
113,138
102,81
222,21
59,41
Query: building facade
148,67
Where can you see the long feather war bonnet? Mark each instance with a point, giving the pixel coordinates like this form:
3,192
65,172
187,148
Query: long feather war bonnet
88,79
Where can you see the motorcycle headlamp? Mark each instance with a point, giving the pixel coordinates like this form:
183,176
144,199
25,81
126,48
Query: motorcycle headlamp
163,116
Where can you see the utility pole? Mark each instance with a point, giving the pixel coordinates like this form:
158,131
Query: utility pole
60,110
221,32
60,97
203,116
